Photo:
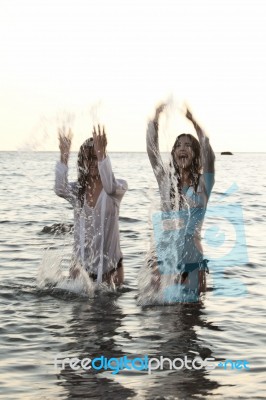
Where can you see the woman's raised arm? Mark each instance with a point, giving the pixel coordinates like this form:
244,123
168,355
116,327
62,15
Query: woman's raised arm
111,185
208,156
62,187
152,142
207,153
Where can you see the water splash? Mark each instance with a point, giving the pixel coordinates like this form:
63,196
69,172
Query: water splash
44,137
60,270
52,275
158,279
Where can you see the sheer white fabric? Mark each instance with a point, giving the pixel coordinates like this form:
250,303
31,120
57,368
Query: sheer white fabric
96,230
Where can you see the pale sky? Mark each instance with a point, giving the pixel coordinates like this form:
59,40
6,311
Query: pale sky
84,61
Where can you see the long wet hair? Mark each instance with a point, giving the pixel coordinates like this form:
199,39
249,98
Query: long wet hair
86,153
194,172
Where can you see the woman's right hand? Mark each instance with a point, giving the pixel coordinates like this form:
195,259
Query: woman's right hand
158,111
65,140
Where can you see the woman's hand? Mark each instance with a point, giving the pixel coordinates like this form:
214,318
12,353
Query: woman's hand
190,117
158,111
99,142
65,140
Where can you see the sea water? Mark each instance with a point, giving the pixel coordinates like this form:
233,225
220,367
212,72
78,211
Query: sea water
38,323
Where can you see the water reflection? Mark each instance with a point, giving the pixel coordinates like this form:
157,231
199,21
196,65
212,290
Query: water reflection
102,328
171,332
112,325
179,331
91,332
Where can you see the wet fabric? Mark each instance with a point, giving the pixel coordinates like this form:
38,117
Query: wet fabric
184,237
96,229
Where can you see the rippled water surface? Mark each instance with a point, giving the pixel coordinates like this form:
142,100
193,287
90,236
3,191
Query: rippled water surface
39,323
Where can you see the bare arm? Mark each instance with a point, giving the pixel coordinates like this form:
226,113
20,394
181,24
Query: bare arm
207,154
152,142
62,187
65,139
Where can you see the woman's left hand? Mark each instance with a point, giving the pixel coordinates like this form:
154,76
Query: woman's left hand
99,142
194,122
201,134
189,115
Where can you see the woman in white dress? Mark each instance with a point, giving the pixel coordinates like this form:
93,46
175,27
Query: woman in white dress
96,198
185,187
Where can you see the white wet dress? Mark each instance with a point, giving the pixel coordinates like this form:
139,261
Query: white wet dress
96,229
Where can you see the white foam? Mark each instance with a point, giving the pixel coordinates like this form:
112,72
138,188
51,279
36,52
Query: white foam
52,274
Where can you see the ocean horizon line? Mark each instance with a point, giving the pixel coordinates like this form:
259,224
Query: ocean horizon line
125,151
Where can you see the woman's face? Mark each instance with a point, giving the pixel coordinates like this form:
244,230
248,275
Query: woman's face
91,165
183,153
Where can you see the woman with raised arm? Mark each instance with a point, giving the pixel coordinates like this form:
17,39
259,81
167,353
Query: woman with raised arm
185,187
96,198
